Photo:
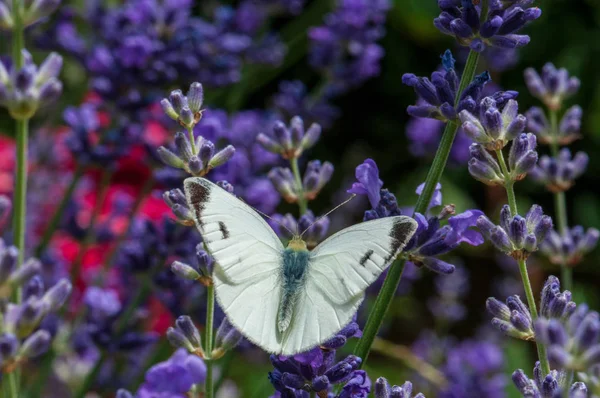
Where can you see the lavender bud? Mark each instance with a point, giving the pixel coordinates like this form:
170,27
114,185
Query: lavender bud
36,344
186,326
195,97
296,130
207,151
186,117
179,340
194,166
184,271
24,273
269,144
222,156
168,109
8,261
121,393
169,158
283,180
9,344
178,101
56,296
227,336
283,135
311,136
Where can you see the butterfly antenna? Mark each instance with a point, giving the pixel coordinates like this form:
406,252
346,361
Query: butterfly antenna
328,213
274,220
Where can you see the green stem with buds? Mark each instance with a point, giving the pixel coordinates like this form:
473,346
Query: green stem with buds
10,381
299,187
512,203
390,285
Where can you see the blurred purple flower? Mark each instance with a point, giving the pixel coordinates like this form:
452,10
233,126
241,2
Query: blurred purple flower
368,183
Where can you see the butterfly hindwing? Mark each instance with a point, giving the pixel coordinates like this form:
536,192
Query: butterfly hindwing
241,242
346,263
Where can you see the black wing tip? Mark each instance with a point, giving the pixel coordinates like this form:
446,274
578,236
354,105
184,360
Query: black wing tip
196,189
401,232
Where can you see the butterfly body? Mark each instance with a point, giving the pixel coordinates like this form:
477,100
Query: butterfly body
293,274
288,299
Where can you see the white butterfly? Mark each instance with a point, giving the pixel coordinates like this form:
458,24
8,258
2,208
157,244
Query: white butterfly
288,300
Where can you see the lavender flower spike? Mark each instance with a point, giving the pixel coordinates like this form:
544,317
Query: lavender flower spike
516,236
440,92
568,128
384,390
549,386
463,20
559,173
553,87
570,246
186,110
290,142
512,318
492,128
554,303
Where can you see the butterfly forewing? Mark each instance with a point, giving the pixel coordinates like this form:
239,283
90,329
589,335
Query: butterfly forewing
346,263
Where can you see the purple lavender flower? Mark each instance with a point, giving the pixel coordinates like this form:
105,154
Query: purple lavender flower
463,20
176,376
513,318
558,173
492,128
553,87
431,239
25,90
290,142
516,236
185,109
317,174
574,344
568,129
384,390
549,386
367,175
186,335
317,371
554,303
570,246
198,162
345,47
474,369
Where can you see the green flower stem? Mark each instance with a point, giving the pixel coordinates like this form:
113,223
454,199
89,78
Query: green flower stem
10,382
299,188
56,216
192,140
88,239
541,349
560,205
390,285
208,341
510,193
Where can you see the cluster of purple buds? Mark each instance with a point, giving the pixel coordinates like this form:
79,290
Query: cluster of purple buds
227,338
201,271
31,12
570,246
521,160
384,390
290,142
554,303
185,109
317,174
196,158
186,335
432,240
387,207
493,128
567,131
174,377
317,371
23,91
440,93
553,87
463,20
19,339
549,386
316,228
573,344
559,173
513,318
175,199
517,236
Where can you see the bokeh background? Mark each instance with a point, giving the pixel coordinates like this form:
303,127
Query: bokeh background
372,122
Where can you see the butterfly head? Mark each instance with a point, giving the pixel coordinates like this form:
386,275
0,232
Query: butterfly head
297,244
